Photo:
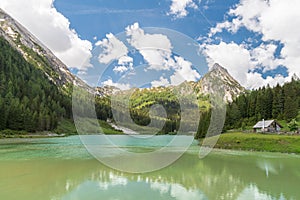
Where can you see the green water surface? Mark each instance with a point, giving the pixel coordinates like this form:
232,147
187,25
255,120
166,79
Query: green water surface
61,168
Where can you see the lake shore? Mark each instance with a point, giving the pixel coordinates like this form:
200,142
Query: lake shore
33,135
228,141
258,142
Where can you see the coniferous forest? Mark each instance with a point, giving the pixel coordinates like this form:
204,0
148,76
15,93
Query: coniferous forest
280,102
28,99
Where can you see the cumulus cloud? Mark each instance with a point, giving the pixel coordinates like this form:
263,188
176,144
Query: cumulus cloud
52,29
263,55
114,49
157,51
120,69
235,58
161,82
183,72
247,13
121,86
255,80
155,48
273,20
241,62
178,8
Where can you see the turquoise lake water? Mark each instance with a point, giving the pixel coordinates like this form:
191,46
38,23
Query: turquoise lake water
61,168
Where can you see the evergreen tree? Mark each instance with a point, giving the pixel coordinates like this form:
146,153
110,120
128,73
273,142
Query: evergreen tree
23,91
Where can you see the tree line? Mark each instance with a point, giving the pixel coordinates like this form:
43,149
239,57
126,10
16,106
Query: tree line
280,102
28,99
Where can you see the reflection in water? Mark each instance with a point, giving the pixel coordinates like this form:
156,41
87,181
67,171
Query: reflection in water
252,192
268,167
221,175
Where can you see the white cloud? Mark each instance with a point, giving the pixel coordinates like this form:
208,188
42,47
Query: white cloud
125,63
239,61
155,48
161,82
247,14
113,49
183,72
125,59
235,58
255,80
263,55
274,20
52,29
157,51
120,69
280,21
178,8
121,86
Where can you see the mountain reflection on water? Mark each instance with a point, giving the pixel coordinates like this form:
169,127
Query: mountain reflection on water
221,175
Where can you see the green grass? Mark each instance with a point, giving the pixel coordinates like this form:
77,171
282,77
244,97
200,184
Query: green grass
66,126
108,129
285,125
90,125
259,142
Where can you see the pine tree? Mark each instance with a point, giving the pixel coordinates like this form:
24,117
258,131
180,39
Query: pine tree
290,108
203,124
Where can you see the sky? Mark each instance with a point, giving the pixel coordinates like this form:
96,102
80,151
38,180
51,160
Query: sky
257,41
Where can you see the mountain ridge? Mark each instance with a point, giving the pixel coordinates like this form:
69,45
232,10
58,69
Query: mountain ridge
37,53
204,86
56,71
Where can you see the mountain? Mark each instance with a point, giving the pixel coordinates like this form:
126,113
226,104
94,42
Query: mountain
36,53
107,91
141,100
231,87
35,86
205,86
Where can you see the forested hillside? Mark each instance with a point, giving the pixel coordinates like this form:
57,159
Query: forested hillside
28,99
280,102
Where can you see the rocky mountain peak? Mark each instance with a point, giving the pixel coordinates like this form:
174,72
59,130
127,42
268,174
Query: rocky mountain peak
217,67
36,53
219,76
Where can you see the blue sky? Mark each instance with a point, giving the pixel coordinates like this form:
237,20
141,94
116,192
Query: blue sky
240,35
97,17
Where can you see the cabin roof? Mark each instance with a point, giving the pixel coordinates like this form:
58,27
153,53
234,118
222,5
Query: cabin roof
268,123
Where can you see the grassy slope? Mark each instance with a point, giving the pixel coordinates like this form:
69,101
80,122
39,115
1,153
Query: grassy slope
67,127
259,142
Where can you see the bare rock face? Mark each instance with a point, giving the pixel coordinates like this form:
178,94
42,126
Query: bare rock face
36,53
107,91
217,80
219,77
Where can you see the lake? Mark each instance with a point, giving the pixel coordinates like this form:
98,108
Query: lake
61,168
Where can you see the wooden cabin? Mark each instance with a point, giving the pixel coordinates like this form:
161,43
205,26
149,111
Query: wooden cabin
267,126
